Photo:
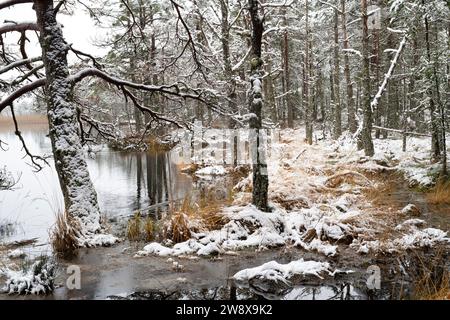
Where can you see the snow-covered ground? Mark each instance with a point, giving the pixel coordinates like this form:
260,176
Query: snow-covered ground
319,199
319,196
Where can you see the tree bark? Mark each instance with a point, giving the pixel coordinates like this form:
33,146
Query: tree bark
351,112
228,70
287,78
306,101
260,174
435,136
337,129
365,131
80,197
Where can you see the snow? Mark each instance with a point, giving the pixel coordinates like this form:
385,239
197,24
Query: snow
353,51
410,208
38,279
389,74
98,240
211,171
415,163
275,271
410,223
16,254
414,239
311,213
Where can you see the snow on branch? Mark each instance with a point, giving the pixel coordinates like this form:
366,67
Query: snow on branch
353,51
383,86
277,4
9,3
388,75
19,63
5,102
173,89
19,27
402,132
332,6
396,30
241,62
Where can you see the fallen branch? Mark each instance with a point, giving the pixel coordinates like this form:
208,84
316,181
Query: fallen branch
408,133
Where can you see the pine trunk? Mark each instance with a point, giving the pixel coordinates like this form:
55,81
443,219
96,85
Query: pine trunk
80,197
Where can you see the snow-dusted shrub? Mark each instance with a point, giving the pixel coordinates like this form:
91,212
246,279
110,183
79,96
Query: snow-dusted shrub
35,279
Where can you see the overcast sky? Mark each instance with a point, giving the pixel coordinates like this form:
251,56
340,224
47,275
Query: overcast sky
79,30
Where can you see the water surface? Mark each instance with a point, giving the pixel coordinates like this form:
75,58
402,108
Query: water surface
125,182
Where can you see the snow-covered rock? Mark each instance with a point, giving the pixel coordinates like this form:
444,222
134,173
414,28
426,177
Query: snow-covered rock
275,271
411,210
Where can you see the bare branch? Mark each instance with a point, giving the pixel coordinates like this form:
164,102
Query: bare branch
34,159
19,27
9,3
27,75
173,89
20,92
79,53
19,63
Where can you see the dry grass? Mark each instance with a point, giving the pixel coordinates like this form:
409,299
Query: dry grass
178,229
240,172
191,216
64,235
189,169
440,194
349,177
134,227
149,229
140,228
432,277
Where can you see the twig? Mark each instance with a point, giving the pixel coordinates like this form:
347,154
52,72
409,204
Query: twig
34,159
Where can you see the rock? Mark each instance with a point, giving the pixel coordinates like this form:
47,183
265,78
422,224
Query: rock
411,210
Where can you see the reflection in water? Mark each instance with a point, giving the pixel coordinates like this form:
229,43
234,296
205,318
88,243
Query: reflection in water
125,182
343,291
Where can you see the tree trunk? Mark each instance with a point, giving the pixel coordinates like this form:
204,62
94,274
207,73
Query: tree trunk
228,71
435,136
337,129
365,132
350,100
80,197
377,57
306,102
260,174
287,78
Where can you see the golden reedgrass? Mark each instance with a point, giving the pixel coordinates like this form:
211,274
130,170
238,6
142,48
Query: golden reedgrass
203,215
64,235
134,227
440,194
432,278
140,228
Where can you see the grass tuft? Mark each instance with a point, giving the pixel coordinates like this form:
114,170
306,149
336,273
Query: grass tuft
64,235
440,194
134,227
